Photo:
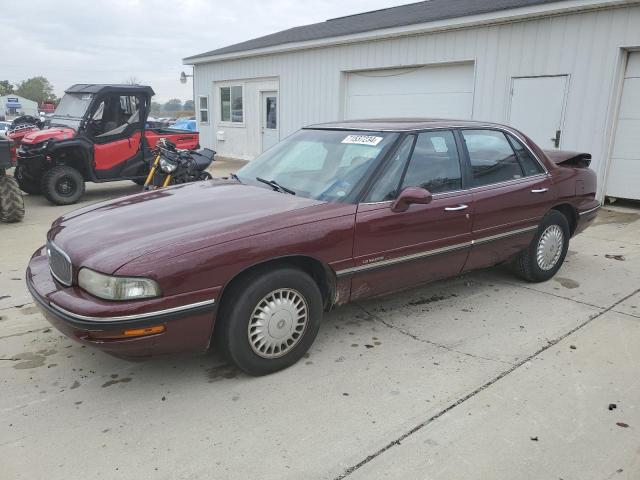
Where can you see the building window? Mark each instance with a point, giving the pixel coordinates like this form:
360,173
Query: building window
203,108
231,109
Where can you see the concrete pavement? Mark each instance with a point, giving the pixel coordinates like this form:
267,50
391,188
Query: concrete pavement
482,376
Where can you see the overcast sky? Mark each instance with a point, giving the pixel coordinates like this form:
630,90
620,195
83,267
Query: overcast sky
108,41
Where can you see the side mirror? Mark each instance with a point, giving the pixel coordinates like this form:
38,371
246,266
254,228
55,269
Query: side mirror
409,196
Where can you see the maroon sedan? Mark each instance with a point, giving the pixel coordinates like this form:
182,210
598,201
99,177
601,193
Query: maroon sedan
336,212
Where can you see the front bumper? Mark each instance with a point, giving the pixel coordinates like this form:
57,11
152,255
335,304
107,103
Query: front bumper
188,319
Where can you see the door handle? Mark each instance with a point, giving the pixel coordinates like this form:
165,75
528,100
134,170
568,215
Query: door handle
556,139
539,190
456,209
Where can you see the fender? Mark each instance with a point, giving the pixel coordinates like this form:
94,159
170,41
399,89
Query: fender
81,150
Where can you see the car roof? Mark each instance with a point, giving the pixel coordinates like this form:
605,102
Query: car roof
108,88
401,124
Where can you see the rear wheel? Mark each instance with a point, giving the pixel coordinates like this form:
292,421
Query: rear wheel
11,202
270,320
26,183
544,256
63,185
205,176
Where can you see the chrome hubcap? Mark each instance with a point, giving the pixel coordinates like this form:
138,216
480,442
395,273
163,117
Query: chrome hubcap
550,247
277,323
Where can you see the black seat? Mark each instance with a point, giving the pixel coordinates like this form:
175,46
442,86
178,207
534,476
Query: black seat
202,158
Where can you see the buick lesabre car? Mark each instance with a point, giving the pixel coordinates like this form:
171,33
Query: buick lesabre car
334,213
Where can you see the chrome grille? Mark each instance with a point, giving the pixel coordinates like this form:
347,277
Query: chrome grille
59,264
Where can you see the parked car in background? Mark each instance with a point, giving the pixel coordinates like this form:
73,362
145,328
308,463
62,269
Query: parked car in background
189,125
4,127
334,213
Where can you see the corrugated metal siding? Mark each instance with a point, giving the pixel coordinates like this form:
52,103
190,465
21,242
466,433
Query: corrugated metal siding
585,46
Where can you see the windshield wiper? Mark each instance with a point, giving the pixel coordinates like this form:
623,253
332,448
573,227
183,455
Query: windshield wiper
276,186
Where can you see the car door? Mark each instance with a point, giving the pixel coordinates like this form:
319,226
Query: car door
511,192
116,147
396,250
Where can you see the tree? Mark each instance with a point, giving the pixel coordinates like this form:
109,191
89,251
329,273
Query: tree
5,88
37,89
173,105
156,108
132,80
188,105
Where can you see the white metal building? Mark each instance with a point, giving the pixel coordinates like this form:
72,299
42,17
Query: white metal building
13,105
567,73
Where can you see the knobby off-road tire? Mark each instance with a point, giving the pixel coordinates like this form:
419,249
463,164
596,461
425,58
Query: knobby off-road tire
544,256
27,185
63,185
281,305
11,202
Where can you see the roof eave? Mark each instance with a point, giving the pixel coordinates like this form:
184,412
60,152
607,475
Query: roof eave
502,16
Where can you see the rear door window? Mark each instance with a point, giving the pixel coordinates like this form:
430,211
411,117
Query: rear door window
530,165
491,156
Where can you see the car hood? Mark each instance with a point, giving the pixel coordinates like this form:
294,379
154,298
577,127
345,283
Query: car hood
56,133
175,220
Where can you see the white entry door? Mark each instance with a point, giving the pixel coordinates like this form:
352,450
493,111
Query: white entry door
624,170
537,108
436,91
270,120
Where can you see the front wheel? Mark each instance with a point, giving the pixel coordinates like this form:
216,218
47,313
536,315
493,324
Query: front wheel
268,321
63,185
11,202
205,176
544,256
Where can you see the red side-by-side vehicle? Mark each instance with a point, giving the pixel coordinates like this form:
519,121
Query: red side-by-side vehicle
98,133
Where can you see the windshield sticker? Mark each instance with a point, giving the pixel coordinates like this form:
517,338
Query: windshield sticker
362,140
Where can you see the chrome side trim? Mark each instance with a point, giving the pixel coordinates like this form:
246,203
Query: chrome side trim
406,258
139,316
430,253
591,210
500,236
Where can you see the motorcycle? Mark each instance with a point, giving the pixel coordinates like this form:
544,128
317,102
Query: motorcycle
172,166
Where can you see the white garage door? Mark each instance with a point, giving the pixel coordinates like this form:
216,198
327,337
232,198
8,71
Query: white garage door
624,170
432,91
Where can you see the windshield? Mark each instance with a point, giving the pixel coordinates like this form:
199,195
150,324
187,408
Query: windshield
73,105
320,164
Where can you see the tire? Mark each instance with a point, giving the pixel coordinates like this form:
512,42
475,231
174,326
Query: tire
11,202
27,185
554,232
139,181
63,185
291,290
205,176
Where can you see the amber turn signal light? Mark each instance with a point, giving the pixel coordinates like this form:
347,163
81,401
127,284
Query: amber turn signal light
134,332
139,332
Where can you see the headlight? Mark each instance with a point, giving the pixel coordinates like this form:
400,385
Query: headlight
117,288
166,166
